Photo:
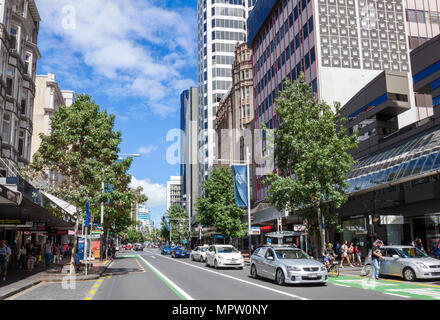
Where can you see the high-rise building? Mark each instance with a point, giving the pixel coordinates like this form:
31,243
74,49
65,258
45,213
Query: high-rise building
174,191
19,53
339,45
221,24
189,151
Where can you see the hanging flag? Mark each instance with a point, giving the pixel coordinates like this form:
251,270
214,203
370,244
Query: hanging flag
87,221
240,185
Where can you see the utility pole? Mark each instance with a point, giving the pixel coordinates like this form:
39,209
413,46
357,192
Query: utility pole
249,199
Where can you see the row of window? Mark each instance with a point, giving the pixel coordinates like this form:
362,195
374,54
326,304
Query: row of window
221,85
227,23
228,35
237,2
230,12
421,16
229,60
223,47
302,65
13,135
221,72
294,44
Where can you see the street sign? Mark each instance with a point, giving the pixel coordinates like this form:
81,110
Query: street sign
299,227
255,231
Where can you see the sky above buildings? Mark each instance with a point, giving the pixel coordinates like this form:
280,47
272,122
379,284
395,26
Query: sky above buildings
134,57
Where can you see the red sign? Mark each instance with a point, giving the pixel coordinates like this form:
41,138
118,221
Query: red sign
266,228
252,217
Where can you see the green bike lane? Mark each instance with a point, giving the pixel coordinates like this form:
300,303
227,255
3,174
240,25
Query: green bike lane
405,290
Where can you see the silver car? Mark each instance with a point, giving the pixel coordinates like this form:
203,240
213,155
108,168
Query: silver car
287,265
199,253
407,262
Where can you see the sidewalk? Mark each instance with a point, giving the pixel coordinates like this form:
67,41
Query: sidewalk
19,280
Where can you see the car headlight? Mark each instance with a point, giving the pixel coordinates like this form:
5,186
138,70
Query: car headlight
220,257
422,265
290,268
323,268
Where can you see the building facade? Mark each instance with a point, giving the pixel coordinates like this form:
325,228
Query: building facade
221,24
18,62
189,152
339,45
174,191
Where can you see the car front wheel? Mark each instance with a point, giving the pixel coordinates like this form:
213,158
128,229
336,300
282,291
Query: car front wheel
280,277
409,274
215,264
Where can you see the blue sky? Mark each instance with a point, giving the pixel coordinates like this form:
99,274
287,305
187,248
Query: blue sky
134,57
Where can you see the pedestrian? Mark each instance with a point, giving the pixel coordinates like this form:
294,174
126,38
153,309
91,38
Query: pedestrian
376,254
338,250
32,257
358,252
436,250
5,253
351,252
22,256
113,251
56,254
47,253
344,254
66,250
419,245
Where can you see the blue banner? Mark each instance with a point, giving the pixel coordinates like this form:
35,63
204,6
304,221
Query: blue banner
87,220
81,249
240,185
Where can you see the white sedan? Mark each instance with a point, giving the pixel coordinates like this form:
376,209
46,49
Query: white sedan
199,253
224,256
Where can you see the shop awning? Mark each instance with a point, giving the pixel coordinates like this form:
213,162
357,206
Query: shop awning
30,211
65,206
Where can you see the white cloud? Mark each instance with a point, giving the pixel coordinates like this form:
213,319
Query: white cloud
156,192
146,150
124,48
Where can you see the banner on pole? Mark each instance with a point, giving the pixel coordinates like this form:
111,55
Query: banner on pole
87,220
240,185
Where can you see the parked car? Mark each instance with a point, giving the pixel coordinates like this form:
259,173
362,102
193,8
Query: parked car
287,265
199,253
224,256
180,252
406,262
128,247
166,250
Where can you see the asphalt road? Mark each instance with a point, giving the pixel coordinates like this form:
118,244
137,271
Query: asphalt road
148,275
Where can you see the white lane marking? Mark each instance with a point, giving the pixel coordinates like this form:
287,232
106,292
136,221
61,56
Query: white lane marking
175,286
398,295
237,279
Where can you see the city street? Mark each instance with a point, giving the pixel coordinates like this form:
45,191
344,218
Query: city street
148,275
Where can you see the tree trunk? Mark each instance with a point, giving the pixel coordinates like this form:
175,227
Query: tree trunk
74,248
321,238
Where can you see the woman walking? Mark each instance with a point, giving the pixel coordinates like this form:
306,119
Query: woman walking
358,252
351,252
21,257
32,257
344,254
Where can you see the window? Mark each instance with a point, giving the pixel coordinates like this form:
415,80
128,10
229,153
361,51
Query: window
21,143
14,40
6,132
24,96
10,82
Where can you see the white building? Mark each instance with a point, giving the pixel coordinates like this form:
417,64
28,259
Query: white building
221,25
174,191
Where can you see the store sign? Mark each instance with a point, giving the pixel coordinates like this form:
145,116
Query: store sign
265,228
255,231
299,227
391,220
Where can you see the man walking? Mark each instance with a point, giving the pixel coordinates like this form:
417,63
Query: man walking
377,257
47,253
5,253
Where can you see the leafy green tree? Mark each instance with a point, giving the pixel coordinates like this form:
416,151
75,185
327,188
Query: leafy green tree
133,236
178,220
83,148
217,208
311,156
164,233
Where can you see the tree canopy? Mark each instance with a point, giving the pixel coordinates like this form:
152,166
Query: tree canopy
217,208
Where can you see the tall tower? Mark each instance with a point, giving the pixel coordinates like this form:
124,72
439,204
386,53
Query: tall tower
221,25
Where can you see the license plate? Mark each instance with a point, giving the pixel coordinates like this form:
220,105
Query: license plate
313,275
233,260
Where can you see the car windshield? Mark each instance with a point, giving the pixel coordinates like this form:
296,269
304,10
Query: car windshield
180,248
290,254
226,249
203,249
411,253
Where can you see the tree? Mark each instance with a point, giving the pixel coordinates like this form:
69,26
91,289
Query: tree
83,148
164,232
133,236
311,156
218,207
178,220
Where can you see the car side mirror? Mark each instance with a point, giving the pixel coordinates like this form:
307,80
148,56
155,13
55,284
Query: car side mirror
395,256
